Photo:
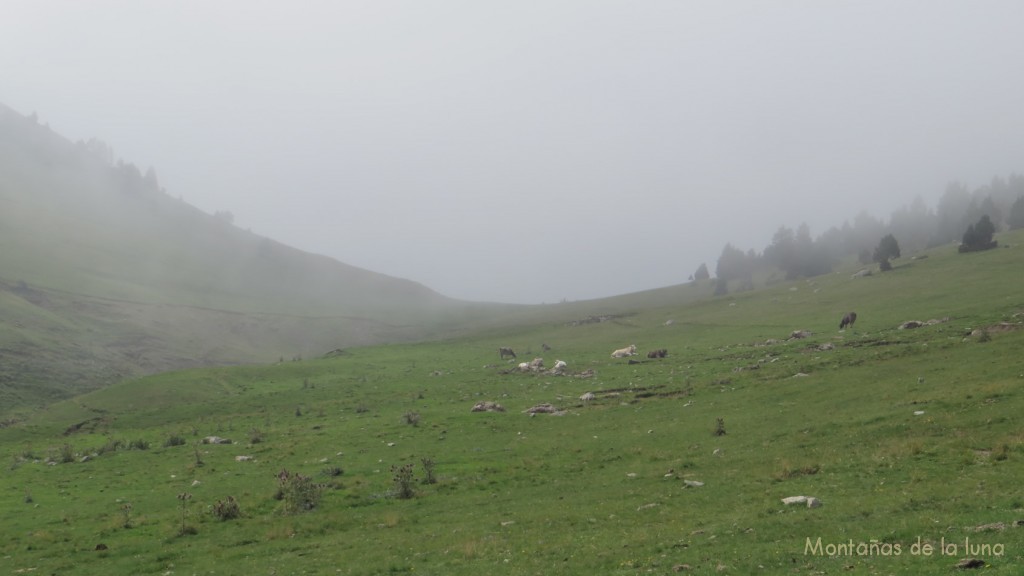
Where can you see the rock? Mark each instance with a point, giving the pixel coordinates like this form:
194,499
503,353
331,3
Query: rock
588,397
243,458
909,324
810,501
487,406
216,440
692,483
970,563
541,409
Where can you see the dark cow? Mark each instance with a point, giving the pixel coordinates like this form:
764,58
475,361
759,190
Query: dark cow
848,320
662,353
506,352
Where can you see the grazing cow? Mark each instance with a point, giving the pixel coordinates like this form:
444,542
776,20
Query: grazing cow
662,353
623,352
848,320
506,352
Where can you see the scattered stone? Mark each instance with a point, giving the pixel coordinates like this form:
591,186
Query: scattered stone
646,506
243,458
810,501
216,440
680,567
799,334
799,375
970,563
541,409
918,412
487,406
692,483
826,346
588,397
909,324
994,527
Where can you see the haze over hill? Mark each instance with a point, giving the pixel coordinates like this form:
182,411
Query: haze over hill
103,275
526,151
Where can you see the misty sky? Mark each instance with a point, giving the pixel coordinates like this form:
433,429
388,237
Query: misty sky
531,151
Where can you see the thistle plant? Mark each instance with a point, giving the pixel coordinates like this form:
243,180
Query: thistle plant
184,497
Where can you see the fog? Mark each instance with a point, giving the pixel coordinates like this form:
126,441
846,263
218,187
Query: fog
531,151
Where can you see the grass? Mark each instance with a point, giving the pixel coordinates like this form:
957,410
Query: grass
908,437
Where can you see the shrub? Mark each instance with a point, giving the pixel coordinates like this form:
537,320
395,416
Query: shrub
719,427
110,446
297,493
333,472
174,440
227,509
67,454
412,418
255,436
428,471
138,444
126,512
403,481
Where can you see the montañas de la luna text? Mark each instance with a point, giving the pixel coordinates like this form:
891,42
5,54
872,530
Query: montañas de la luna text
919,548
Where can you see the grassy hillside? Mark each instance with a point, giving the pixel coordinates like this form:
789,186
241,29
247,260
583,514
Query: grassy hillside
909,438
103,275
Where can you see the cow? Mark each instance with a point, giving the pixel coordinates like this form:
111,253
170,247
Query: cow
506,352
623,352
848,320
662,353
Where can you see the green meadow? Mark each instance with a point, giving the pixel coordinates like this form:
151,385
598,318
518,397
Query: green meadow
371,461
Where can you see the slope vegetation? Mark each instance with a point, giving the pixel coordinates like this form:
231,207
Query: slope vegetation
103,275
908,437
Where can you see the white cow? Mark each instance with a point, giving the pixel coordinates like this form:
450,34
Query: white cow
623,352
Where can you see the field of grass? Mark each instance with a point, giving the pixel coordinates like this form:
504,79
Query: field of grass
909,438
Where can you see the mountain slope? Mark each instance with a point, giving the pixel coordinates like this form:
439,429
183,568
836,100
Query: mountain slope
104,275
676,464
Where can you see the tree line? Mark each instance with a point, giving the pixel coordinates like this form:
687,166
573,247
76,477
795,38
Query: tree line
970,218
